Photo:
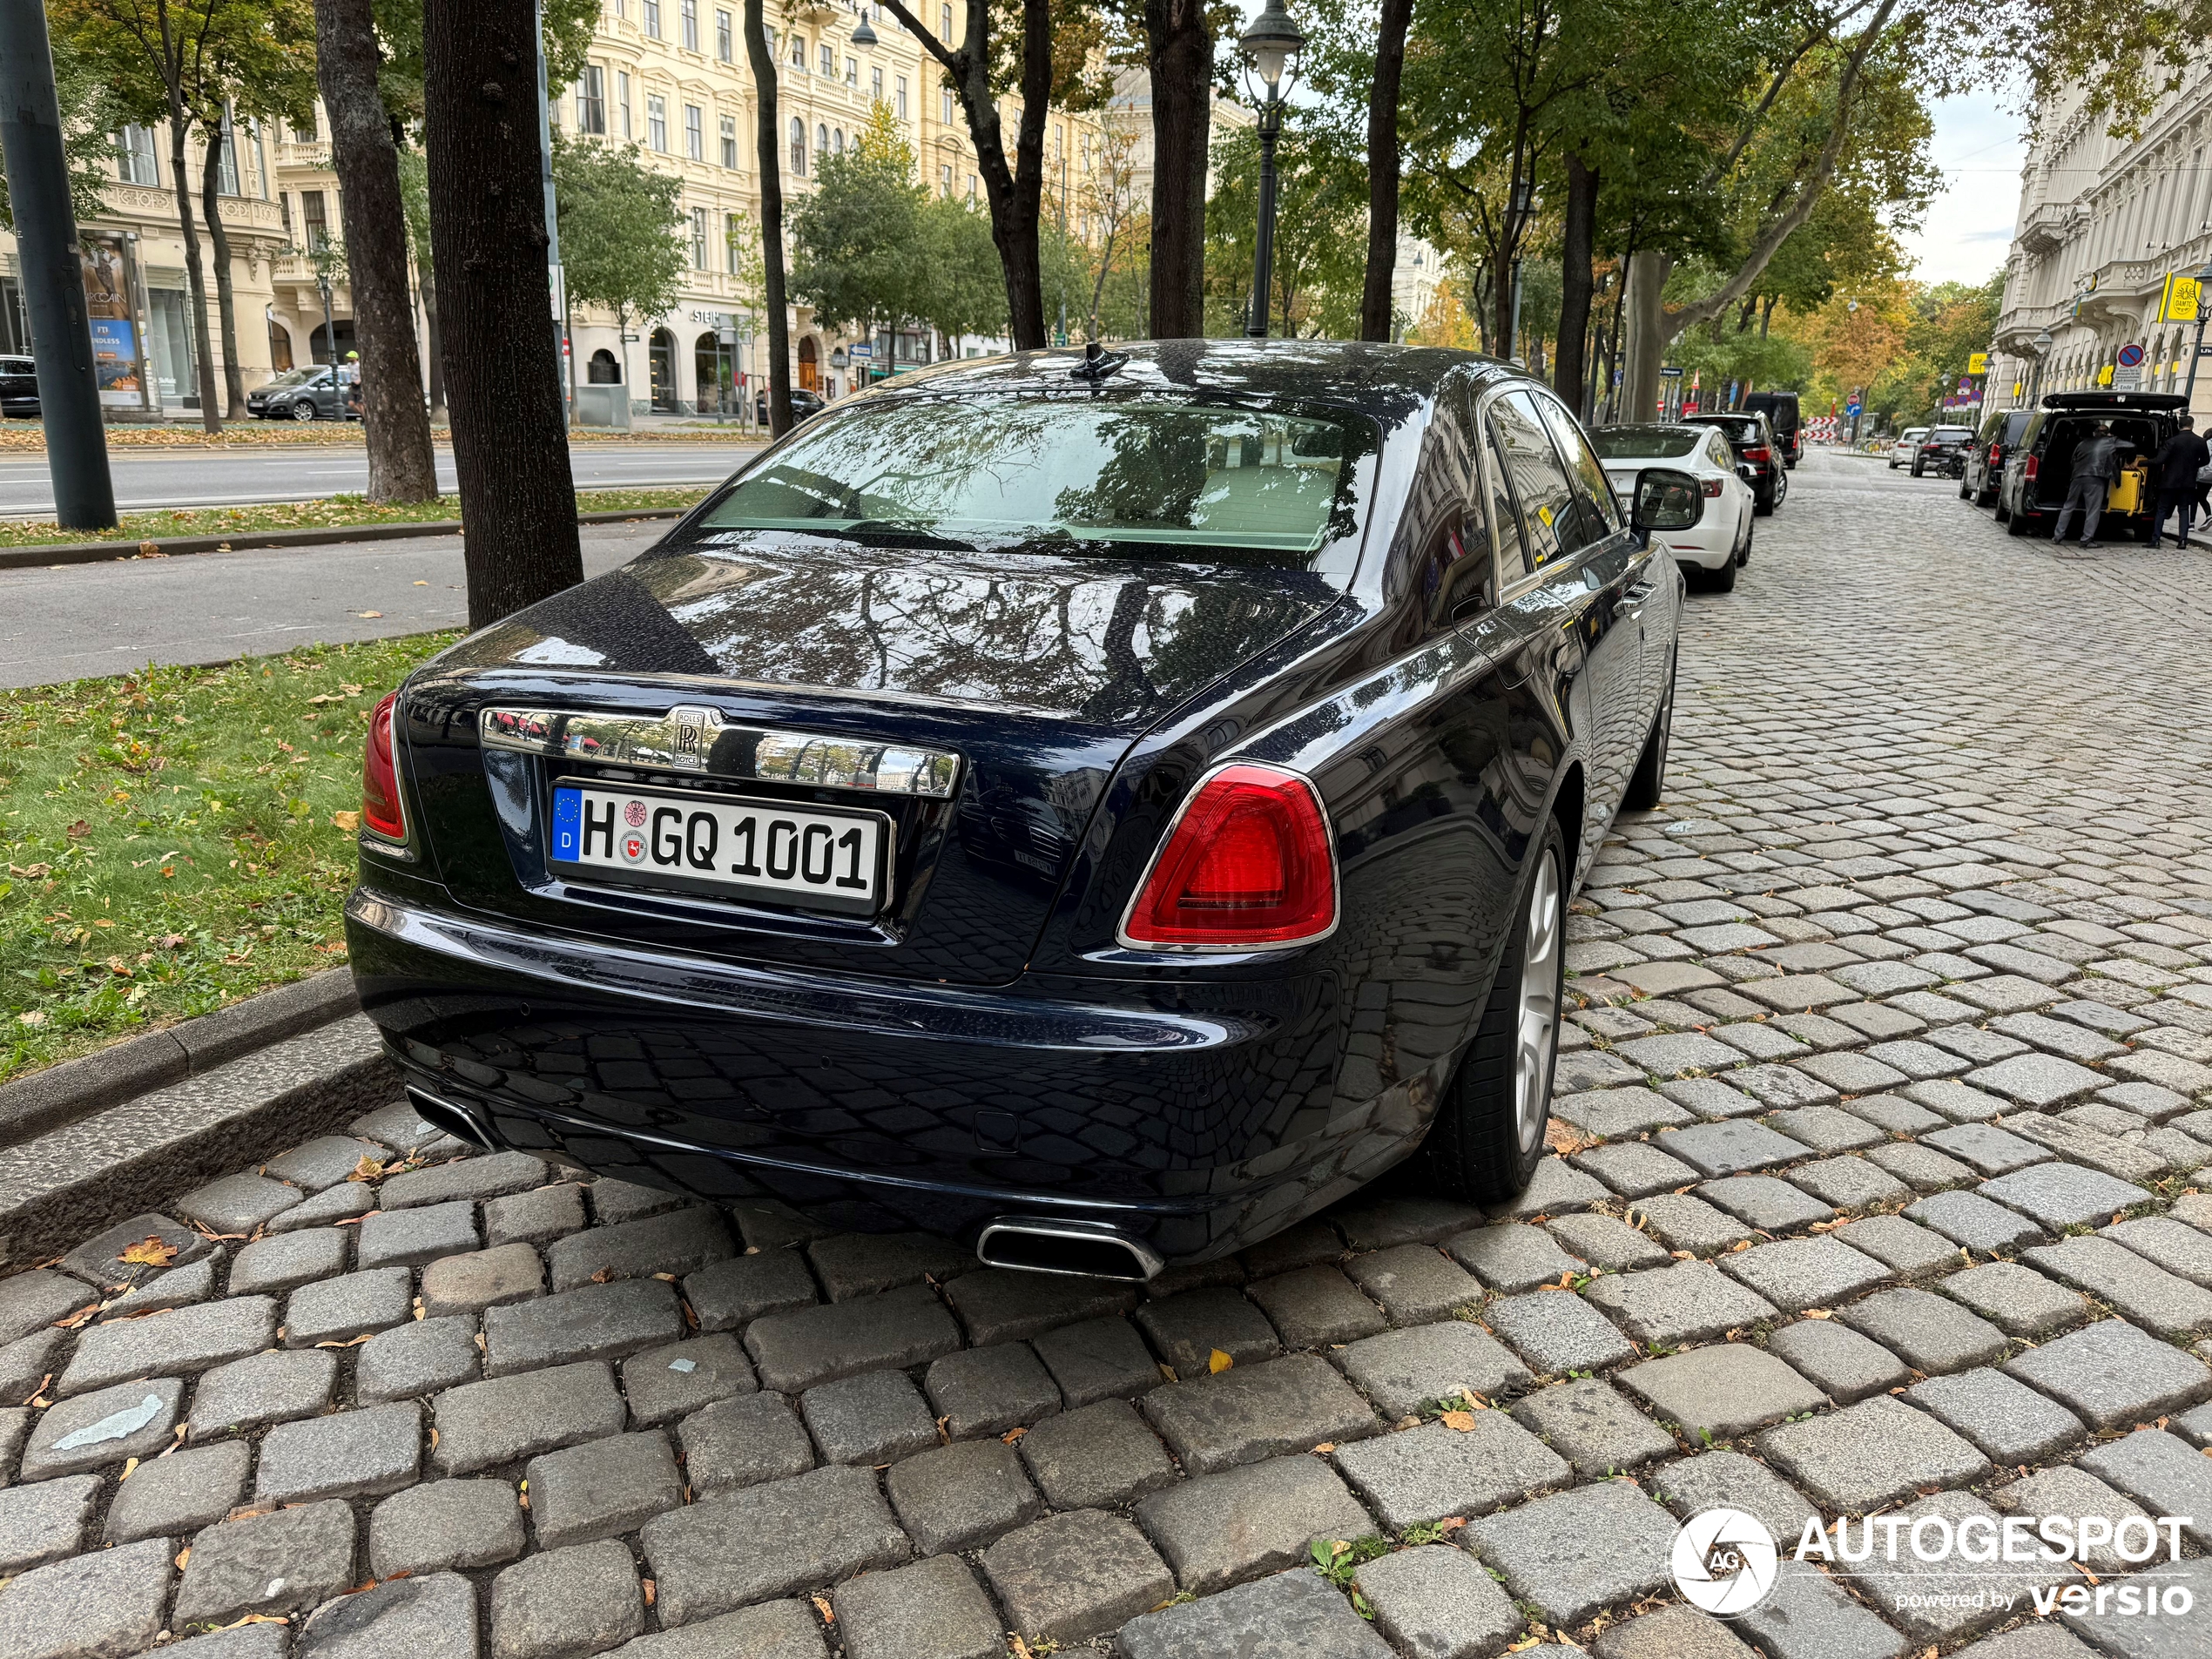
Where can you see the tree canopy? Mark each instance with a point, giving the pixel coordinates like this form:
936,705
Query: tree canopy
621,228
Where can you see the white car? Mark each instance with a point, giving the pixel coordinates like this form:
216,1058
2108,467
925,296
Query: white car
1907,447
1719,543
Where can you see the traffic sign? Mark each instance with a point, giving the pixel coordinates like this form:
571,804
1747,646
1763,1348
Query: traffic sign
1671,373
1978,362
2131,355
1852,409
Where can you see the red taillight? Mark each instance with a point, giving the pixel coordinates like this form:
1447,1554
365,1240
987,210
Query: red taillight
1712,486
1249,863
1758,452
1994,456
2029,469
381,808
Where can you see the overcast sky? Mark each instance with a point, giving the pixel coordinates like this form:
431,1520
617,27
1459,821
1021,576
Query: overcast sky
1969,227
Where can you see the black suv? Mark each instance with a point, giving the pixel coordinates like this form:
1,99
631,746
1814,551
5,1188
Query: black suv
1781,411
1985,467
2040,465
1941,449
19,388
1758,454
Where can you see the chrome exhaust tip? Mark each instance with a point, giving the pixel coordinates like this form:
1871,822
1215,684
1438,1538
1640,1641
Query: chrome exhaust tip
1079,1248
462,1123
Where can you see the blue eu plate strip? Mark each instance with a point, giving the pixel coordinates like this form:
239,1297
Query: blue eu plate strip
568,818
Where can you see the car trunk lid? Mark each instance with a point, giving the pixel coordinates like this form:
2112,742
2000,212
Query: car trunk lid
826,668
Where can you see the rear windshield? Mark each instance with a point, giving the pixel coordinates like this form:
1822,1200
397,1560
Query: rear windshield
1951,435
1148,477
1645,443
1740,428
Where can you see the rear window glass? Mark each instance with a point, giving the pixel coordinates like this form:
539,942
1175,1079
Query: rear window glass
1951,435
1646,442
1740,429
1146,477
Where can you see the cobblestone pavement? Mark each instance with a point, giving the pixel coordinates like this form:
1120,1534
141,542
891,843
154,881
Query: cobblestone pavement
1877,1131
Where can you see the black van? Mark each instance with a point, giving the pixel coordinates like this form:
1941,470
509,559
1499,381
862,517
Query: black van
2038,468
1781,411
1999,435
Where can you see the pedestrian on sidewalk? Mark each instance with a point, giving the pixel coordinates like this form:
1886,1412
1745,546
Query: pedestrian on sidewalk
2172,479
2096,463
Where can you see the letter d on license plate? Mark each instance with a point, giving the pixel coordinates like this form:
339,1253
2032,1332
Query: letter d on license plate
771,850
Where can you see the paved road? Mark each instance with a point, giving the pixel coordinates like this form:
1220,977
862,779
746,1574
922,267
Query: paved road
1889,1013
80,620
147,479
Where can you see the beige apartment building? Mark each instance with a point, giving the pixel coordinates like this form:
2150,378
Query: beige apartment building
2105,222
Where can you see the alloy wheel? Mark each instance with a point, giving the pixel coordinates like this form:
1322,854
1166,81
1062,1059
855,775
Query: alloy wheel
1536,1038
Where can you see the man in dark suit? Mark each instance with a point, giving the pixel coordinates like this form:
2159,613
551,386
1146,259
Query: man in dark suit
2172,479
2096,463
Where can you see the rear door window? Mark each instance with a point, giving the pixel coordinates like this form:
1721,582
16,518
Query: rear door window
1548,507
1504,516
1593,494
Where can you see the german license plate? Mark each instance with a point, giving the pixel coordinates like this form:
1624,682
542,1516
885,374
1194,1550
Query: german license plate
806,856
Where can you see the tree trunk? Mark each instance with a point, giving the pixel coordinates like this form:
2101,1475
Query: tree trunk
487,240
1375,318
436,346
1576,281
195,273
1179,53
225,302
1647,334
373,219
771,219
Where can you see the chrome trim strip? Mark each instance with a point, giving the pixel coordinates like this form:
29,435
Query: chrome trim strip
694,737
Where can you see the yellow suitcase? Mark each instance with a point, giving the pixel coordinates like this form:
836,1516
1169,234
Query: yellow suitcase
2126,493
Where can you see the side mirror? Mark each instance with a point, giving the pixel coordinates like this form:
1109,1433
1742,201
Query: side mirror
1667,500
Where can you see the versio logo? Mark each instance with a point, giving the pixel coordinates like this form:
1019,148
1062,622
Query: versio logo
1724,1561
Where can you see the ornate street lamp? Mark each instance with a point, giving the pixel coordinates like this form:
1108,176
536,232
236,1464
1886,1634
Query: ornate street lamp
862,35
1270,48
2042,344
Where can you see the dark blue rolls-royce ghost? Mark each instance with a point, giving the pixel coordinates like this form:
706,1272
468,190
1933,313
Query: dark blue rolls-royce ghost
1104,807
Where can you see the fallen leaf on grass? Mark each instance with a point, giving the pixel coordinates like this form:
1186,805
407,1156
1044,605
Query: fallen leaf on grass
347,821
150,1251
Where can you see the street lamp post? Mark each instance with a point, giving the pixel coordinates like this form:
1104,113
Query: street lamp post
2042,343
1524,193
1269,46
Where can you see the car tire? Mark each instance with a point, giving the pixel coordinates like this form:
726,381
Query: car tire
1892,465
1963,491
1744,553
1647,782
1722,580
303,410
1995,498
1488,1133
1764,506
2020,524
1917,471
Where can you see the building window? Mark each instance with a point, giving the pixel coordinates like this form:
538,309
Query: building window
649,11
694,132
317,224
592,100
945,24
657,123
851,71
821,143
899,107
688,16
723,43
732,240
944,107
729,142
945,178
698,239
829,63
136,161
303,131
226,162
284,213
836,141
798,148
621,99
876,85
798,53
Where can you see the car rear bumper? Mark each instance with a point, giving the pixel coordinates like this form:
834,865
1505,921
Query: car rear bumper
1192,1117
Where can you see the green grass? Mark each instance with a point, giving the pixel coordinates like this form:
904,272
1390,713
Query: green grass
169,842
331,512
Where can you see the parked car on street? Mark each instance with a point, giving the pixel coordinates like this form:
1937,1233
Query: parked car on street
1906,445
19,388
1716,544
315,392
1756,445
805,405
1003,805
1943,449
1781,411
2040,465
1984,462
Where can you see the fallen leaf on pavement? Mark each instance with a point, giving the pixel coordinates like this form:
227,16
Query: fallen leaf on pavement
1463,1421
822,1607
150,1251
1218,1362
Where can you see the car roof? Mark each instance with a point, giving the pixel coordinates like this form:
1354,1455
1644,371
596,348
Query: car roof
1390,383
2135,403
